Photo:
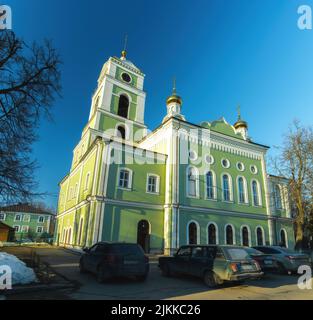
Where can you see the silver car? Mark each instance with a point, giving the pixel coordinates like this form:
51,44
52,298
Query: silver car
288,261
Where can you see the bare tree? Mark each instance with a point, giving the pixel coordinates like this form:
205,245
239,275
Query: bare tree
29,82
295,162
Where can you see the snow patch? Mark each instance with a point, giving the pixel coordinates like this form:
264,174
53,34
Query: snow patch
21,274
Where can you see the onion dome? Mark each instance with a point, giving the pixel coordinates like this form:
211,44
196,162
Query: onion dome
240,123
174,98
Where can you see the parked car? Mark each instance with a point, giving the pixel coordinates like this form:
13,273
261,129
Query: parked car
213,263
266,261
288,260
109,260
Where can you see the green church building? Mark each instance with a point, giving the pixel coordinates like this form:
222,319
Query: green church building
182,183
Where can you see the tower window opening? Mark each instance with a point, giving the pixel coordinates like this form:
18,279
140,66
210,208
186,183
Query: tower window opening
123,106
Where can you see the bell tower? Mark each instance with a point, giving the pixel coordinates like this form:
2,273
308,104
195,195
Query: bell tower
119,100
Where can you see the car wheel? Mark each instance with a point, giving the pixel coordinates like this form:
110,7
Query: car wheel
142,278
281,268
102,274
210,279
81,267
166,272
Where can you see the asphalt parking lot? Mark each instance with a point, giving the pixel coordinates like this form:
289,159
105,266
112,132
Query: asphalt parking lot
65,263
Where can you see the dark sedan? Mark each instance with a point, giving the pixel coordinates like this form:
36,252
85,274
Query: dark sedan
109,260
266,261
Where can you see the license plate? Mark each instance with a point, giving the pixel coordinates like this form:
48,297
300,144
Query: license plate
247,267
130,262
268,262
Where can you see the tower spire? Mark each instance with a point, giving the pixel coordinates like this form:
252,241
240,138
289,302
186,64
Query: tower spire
174,85
239,112
124,52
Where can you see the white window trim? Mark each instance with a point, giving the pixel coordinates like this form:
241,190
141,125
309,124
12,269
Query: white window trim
259,193
245,185
123,93
225,234
256,235
39,231
281,198
18,228
256,169
249,235
4,216
243,166
226,167
216,229
197,182
25,226
121,124
231,191
26,215
157,187
17,214
87,181
198,231
39,219
194,153
130,181
211,157
286,236
131,78
214,186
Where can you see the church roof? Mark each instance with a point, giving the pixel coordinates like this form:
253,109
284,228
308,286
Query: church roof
221,126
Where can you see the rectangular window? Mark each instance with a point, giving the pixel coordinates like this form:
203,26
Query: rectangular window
17,217
87,181
39,229
124,179
24,228
16,228
26,218
41,219
152,185
2,217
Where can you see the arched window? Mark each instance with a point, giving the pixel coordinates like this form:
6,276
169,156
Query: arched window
123,105
259,236
212,236
255,193
226,188
192,177
210,185
121,131
245,236
192,233
229,235
283,238
241,190
278,203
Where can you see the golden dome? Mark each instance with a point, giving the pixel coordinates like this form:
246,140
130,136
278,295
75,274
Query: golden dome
240,123
174,97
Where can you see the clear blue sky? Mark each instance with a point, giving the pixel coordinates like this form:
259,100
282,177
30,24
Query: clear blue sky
223,52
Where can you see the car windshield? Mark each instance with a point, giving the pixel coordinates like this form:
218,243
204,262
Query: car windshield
253,251
126,249
237,253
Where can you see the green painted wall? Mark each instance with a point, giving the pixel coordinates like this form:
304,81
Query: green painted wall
204,218
120,224
120,71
